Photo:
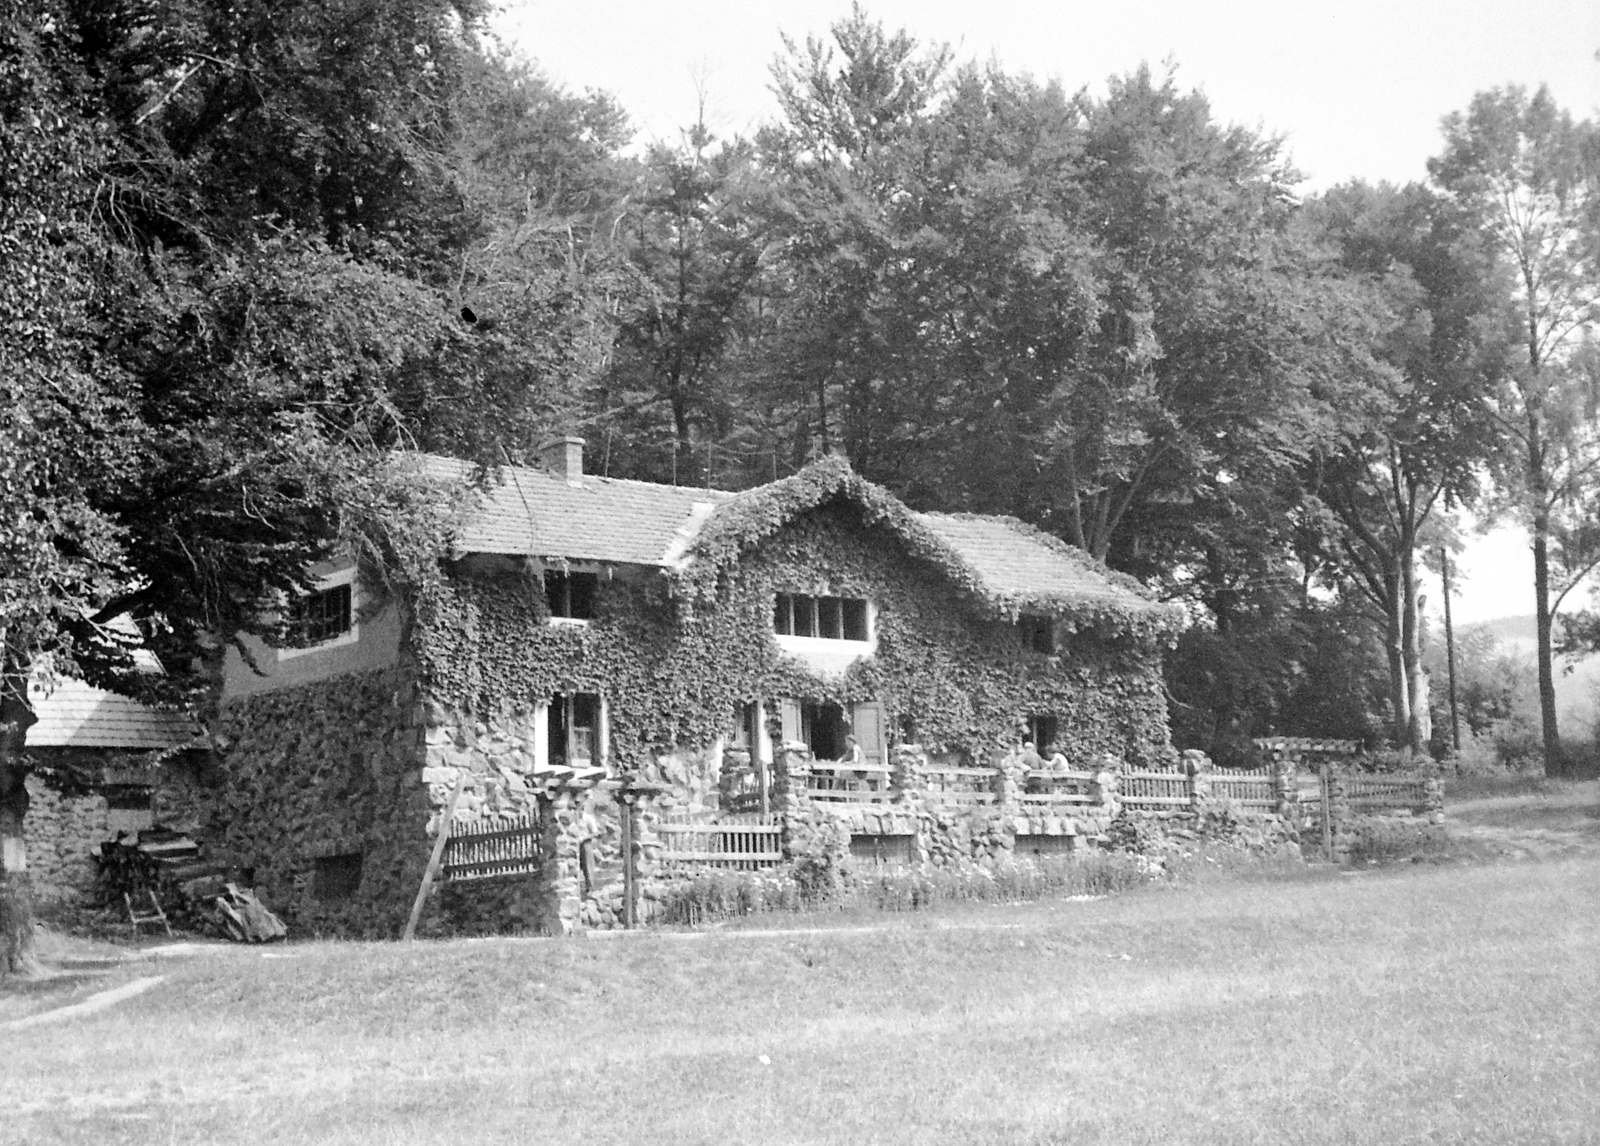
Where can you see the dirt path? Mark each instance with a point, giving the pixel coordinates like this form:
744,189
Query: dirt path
1560,824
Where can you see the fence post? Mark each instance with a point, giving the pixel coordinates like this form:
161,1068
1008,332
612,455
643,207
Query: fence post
1327,808
630,879
1197,765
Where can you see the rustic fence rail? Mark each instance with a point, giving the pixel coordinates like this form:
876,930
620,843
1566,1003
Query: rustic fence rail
1155,790
741,846
1254,791
1043,790
494,847
1386,793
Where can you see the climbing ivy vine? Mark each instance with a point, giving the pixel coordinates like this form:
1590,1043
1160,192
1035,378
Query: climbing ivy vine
946,657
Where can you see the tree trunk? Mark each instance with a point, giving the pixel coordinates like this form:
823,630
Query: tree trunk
1394,645
1554,758
1419,723
17,956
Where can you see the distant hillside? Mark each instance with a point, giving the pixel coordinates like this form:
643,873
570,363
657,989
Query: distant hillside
1577,692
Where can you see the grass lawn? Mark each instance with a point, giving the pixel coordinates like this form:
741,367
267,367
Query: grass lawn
1452,1003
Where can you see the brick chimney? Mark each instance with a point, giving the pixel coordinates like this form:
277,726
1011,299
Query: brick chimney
564,458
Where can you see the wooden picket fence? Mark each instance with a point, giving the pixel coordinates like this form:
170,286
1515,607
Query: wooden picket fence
744,846
1154,791
1253,791
493,847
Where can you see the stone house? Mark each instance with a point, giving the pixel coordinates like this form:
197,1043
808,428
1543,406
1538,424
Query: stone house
102,751
810,657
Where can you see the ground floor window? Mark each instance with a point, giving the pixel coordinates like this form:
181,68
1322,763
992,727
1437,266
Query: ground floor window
574,730
1042,731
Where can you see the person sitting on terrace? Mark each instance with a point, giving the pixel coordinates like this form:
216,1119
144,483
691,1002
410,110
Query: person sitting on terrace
1031,760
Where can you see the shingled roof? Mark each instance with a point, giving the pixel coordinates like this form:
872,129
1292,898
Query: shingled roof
691,533
534,513
73,714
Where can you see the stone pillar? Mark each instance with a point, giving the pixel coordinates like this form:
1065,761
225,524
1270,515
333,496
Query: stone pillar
1197,766
1010,783
1338,813
561,891
907,779
1433,793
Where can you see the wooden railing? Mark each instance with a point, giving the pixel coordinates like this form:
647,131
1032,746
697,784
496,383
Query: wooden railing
1371,794
1045,790
739,845
841,783
1154,790
488,848
957,784
1251,790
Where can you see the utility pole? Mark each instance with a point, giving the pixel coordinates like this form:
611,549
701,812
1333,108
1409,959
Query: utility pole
1450,651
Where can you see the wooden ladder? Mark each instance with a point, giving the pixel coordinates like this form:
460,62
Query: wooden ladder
154,915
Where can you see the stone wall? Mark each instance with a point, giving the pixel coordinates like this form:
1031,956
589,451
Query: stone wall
95,794
62,834
312,777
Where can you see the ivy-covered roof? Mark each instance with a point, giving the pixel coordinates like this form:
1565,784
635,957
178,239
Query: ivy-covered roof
1009,565
693,534
534,513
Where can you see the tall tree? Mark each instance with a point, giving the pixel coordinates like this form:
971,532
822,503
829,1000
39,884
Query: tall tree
231,250
1425,432
694,240
1530,176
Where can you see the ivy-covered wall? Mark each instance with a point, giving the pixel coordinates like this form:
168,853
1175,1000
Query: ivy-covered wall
311,774
362,764
676,674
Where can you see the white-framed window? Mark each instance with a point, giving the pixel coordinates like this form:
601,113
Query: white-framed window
825,618
325,618
571,731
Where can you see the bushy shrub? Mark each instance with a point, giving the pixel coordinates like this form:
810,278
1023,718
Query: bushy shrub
715,895
1385,839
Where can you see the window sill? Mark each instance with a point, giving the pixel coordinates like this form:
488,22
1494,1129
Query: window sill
340,641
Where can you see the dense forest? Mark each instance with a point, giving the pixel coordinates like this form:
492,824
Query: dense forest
249,251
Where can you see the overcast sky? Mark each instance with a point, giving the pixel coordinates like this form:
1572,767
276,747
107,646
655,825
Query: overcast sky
1356,87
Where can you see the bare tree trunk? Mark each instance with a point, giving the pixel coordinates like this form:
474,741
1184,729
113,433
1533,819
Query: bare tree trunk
17,956
1394,644
1554,757
1419,723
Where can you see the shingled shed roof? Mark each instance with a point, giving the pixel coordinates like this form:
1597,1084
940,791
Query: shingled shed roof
535,513
77,715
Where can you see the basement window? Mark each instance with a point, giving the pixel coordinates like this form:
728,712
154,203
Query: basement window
571,595
336,878
1036,634
828,618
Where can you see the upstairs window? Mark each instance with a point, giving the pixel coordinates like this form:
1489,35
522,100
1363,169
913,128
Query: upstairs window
1037,634
571,595
831,618
320,617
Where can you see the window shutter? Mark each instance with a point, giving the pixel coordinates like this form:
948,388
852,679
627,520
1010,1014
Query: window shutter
868,721
789,712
